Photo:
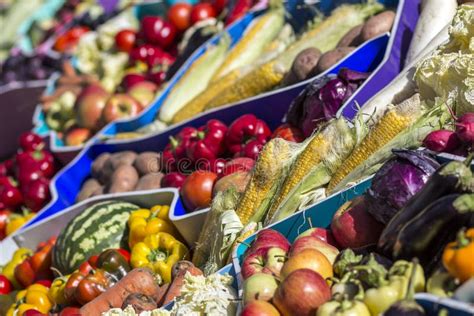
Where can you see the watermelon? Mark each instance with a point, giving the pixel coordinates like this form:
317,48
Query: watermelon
99,227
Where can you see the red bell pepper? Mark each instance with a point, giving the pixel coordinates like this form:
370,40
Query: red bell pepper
32,165
31,141
10,194
288,132
176,149
5,285
173,180
208,143
41,260
246,136
44,282
36,194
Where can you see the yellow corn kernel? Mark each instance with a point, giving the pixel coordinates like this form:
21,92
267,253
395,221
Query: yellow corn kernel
306,160
198,104
389,126
266,173
259,80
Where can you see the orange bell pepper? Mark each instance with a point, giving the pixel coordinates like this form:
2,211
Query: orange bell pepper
458,255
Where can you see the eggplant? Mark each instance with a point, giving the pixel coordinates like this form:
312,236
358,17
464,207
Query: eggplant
428,233
453,177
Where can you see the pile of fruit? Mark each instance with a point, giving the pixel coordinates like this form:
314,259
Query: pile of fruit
24,183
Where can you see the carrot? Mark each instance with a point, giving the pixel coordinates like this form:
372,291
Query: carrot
139,280
174,289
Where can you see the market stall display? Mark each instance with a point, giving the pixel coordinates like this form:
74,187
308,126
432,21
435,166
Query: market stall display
348,190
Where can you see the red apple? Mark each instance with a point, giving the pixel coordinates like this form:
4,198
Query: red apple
241,164
120,106
144,92
301,293
308,259
265,260
259,308
321,233
310,242
259,287
77,136
267,238
129,80
89,105
353,226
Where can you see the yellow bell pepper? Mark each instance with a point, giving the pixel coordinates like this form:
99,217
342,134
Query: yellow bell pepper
159,252
458,256
145,222
34,297
56,291
9,270
16,221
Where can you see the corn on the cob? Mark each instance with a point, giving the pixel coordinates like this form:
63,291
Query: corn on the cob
222,202
394,121
270,166
427,121
324,150
324,36
259,80
195,80
197,105
252,44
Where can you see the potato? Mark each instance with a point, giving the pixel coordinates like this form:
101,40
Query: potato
114,161
140,302
122,158
124,179
304,62
352,38
331,58
148,162
377,25
98,165
238,180
88,189
149,181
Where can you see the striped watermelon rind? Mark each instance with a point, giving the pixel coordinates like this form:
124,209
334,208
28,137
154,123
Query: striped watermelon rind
99,227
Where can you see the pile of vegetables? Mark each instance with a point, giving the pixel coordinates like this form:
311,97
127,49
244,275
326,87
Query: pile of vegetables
24,183
410,232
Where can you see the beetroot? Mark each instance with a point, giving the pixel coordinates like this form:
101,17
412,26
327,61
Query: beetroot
442,141
465,129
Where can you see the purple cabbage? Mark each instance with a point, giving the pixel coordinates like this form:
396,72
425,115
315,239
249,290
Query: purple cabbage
398,180
322,98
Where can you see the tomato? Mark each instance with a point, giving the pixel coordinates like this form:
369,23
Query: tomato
46,283
5,285
202,11
180,16
197,190
124,254
125,40
288,132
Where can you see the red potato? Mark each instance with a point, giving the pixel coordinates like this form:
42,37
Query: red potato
124,179
352,38
88,189
139,280
329,59
377,25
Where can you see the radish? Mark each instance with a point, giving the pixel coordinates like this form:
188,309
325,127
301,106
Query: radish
435,14
444,141
465,129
